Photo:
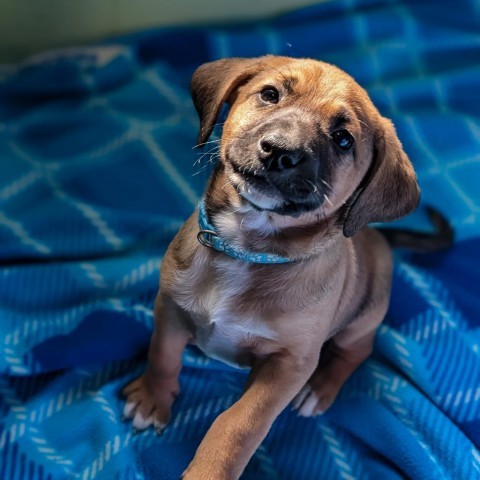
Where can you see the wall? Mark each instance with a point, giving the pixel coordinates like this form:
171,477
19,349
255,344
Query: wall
30,26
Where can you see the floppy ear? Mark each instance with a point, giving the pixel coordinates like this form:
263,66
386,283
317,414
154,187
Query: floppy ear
213,83
390,189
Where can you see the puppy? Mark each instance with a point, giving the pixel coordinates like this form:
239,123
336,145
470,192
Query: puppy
277,261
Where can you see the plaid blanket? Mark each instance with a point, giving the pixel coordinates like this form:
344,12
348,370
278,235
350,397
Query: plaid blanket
97,173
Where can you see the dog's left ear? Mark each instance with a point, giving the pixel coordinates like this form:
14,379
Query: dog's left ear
213,83
390,189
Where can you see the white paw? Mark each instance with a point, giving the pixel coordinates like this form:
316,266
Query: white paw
141,421
144,409
129,409
307,402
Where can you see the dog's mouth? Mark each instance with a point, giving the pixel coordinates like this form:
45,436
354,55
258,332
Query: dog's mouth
292,199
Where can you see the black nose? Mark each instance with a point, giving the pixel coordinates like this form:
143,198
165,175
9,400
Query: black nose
277,156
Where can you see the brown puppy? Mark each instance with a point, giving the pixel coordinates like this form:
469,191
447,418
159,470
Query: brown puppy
306,163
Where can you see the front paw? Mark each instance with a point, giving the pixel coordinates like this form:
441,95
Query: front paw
149,402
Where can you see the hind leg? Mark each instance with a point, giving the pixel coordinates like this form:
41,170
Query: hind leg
343,354
336,366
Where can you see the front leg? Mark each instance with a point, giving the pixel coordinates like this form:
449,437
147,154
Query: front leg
149,398
236,433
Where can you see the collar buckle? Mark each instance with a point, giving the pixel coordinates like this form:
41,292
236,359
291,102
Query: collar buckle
204,237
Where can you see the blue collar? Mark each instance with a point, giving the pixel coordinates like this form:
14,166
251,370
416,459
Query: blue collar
208,237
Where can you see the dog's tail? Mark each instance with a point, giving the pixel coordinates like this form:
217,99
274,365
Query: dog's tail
441,239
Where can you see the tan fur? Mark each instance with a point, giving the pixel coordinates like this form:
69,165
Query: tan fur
276,318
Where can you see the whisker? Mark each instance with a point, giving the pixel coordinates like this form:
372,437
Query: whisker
228,181
215,146
311,184
210,162
325,196
232,213
329,231
219,124
206,143
363,123
199,160
212,154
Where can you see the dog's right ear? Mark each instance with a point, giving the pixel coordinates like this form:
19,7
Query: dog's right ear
213,83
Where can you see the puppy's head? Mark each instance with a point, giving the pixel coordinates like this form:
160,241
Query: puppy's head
302,136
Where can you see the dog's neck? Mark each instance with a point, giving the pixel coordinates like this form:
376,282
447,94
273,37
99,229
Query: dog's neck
246,228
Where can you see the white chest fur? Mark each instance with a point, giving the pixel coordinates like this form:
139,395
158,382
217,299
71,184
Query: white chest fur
209,292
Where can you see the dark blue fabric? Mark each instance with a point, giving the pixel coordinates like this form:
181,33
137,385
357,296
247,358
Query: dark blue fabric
97,173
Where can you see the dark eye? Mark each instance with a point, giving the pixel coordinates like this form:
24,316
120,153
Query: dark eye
343,139
270,95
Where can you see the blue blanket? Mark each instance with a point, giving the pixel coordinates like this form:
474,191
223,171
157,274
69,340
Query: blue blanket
97,173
